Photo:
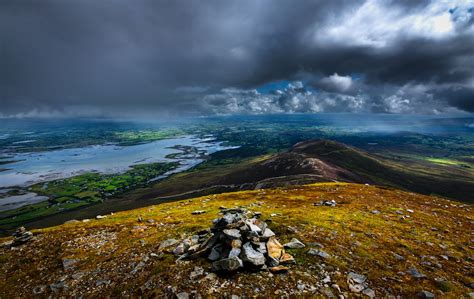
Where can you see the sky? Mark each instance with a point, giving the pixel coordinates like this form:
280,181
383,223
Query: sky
118,58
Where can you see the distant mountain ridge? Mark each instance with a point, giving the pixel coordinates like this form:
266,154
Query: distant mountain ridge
322,161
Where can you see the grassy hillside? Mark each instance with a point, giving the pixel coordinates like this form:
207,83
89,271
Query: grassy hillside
327,161
377,232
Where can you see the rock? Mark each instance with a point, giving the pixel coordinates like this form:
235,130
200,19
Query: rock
157,255
216,253
198,271
278,269
356,282
228,264
398,257
328,203
181,248
274,248
375,212
234,252
272,262
253,227
267,233
252,256
286,258
182,295
198,212
39,289
100,217
319,253
167,243
369,293
294,244
68,264
415,273
425,295
232,233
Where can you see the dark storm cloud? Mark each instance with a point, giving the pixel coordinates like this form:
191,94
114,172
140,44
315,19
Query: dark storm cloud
129,57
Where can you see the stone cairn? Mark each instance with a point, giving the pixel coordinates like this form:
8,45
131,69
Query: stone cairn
235,242
21,236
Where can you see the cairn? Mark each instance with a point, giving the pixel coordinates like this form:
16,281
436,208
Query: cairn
21,236
235,242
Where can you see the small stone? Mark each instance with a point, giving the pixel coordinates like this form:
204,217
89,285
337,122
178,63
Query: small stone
198,212
182,295
267,233
167,243
278,269
319,253
198,271
294,244
251,255
68,264
425,295
369,293
287,258
375,212
415,273
228,264
398,257
100,217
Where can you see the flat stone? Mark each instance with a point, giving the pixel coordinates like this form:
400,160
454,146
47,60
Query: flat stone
252,256
267,233
274,248
319,253
425,295
198,212
167,243
232,233
229,264
287,258
294,244
369,293
278,269
415,273
216,253
235,252
355,277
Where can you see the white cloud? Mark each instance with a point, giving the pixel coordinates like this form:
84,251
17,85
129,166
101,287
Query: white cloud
378,24
336,82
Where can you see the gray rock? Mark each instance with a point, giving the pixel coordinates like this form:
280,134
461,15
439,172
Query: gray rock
376,212
267,233
319,253
415,273
425,295
198,271
182,295
229,264
294,244
251,255
398,257
272,262
369,293
21,236
69,264
216,253
355,277
167,243
235,252
232,233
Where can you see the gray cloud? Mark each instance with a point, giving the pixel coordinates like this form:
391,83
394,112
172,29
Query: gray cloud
178,57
